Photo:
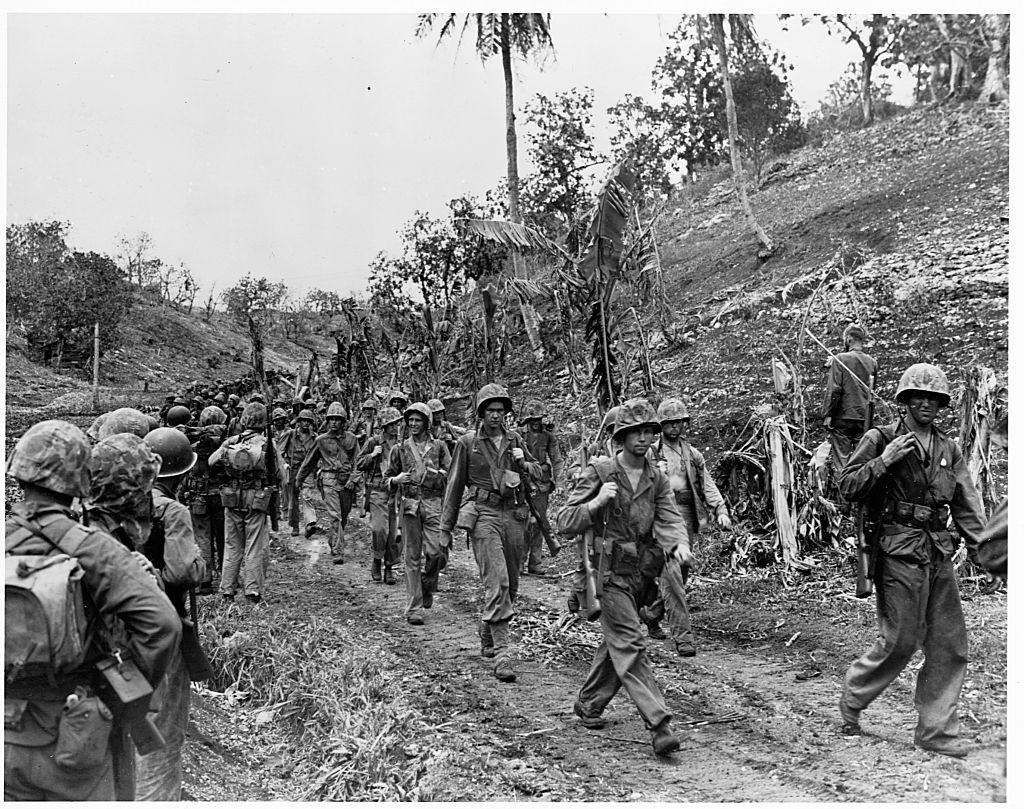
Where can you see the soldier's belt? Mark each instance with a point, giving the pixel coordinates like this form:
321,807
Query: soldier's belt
416,491
918,515
247,483
492,498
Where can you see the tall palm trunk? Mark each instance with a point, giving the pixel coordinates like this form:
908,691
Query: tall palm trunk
511,146
718,32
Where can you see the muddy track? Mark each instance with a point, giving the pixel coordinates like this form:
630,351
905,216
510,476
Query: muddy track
750,730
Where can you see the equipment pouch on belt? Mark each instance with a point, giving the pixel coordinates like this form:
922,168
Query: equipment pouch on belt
468,515
127,684
14,711
509,483
652,561
230,497
198,505
625,558
262,498
84,733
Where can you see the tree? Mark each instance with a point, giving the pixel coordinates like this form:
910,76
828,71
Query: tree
138,267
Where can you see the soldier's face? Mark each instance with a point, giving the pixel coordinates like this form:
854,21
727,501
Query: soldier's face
391,431
438,418
367,414
923,407
534,425
417,425
673,429
638,441
335,424
305,425
494,415
279,424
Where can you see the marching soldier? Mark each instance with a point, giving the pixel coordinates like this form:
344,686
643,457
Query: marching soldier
419,467
203,496
334,454
629,504
363,428
440,427
373,462
851,380
543,446
488,463
297,445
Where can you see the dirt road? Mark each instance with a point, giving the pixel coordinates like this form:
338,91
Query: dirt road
750,729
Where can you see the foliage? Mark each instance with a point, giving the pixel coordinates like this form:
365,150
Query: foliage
255,298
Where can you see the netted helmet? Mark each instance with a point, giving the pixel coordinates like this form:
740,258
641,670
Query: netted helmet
418,407
389,415
178,415
254,416
123,468
609,419
220,399
370,404
532,410
306,415
279,413
234,399
53,455
174,449
854,332
212,415
257,397
490,392
124,420
923,377
180,400
436,406
673,410
398,395
634,414
337,411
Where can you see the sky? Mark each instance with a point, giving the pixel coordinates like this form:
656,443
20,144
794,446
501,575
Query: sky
294,146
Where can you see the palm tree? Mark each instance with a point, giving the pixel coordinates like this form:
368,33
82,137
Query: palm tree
741,29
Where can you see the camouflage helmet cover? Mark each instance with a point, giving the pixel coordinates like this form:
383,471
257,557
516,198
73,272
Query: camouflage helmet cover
489,393
279,413
212,415
53,455
418,407
234,399
634,414
123,468
389,415
254,416
174,449
436,406
337,411
124,420
370,404
608,421
257,397
532,410
306,415
396,394
220,399
673,410
925,378
178,415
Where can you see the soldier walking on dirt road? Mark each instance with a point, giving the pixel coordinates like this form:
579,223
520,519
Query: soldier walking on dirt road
419,466
373,463
297,445
912,478
333,459
630,505
543,446
488,463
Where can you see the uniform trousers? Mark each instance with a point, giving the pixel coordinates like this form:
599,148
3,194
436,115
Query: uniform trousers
534,537
498,540
158,774
32,774
382,525
246,540
338,501
423,554
672,585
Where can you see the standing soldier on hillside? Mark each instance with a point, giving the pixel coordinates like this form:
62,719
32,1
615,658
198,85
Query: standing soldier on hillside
372,462
234,415
912,478
334,454
296,447
440,427
419,467
489,463
628,503
543,446
247,498
202,496
848,394
697,497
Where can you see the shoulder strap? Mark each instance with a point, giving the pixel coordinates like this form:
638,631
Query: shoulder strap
51,531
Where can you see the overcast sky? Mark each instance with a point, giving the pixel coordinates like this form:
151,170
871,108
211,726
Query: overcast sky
293,146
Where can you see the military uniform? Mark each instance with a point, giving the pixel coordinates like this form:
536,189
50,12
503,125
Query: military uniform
380,497
296,447
201,492
851,378
543,446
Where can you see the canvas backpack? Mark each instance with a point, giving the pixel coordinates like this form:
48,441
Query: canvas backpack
46,631
246,459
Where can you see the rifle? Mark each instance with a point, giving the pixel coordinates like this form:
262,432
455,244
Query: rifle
271,452
554,546
594,588
867,531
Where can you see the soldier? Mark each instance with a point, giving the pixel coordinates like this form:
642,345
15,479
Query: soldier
297,446
697,496
51,463
178,416
298,405
363,429
202,494
281,433
912,477
848,394
397,399
543,446
489,462
605,445
419,467
334,453
167,405
372,462
171,548
247,499
629,503
440,427
234,415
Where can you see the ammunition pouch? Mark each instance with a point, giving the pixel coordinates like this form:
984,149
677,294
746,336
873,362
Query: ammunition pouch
625,559
84,733
493,498
917,515
652,561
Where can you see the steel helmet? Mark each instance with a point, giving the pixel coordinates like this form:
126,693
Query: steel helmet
220,399
396,394
212,415
673,410
279,413
421,408
924,378
174,449
370,404
853,332
337,411
53,455
634,414
123,468
608,422
178,415
532,410
234,399
181,400
489,393
257,397
389,415
254,416
436,406
124,420
307,415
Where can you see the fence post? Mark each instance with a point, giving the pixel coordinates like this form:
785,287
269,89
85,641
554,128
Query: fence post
96,366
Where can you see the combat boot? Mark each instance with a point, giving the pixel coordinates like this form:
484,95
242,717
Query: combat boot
503,670
389,576
375,570
590,722
486,641
851,720
662,739
952,748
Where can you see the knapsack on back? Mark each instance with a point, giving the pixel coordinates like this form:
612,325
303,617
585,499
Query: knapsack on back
246,459
46,632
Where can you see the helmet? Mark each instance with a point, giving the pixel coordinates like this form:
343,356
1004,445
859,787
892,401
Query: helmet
53,455
279,413
307,415
176,455
370,404
254,416
633,414
418,407
609,419
178,415
124,420
234,399
337,410
389,415
123,468
298,400
436,406
673,410
489,393
395,394
853,332
212,415
220,399
257,397
532,410
925,378
181,400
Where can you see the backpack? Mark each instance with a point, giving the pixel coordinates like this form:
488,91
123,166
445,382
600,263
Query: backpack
46,632
246,459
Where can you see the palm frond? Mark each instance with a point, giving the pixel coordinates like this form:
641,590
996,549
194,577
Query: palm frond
513,235
608,222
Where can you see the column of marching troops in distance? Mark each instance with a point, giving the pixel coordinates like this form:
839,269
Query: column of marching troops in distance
121,526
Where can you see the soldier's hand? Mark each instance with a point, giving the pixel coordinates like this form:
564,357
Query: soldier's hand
607,492
377,450
683,555
145,564
827,422
447,538
897,449
403,477
724,521
517,453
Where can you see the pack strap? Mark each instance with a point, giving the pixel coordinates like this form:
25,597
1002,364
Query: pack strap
49,531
